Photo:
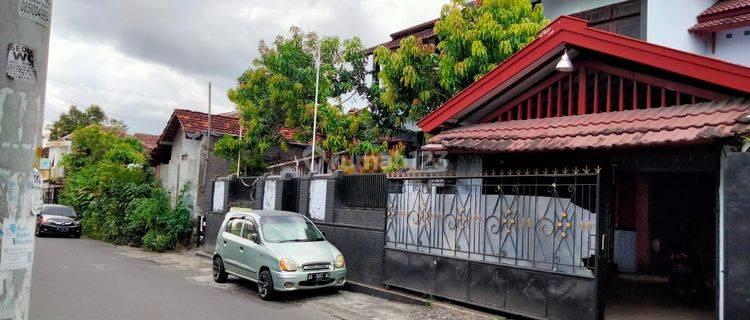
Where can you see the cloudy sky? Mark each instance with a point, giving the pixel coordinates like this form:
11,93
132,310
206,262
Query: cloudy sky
139,59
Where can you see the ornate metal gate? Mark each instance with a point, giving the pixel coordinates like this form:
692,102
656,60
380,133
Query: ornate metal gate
523,242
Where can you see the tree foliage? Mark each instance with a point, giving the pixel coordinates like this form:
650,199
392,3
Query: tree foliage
75,119
111,185
278,91
417,78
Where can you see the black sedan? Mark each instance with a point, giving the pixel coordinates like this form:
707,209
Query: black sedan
58,220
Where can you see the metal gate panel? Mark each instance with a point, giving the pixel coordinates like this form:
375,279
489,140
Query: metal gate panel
452,278
488,285
526,292
421,273
523,242
736,235
570,297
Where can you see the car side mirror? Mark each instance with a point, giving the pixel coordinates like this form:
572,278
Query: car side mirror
254,238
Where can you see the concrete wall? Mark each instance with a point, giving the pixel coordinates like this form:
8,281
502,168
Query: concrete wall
216,167
734,49
178,171
668,22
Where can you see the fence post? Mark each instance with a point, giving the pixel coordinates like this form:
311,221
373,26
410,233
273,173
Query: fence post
303,196
331,200
259,188
280,190
224,182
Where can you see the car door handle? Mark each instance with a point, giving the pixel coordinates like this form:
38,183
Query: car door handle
242,249
225,243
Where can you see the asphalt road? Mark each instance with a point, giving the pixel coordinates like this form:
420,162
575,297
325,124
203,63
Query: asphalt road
86,279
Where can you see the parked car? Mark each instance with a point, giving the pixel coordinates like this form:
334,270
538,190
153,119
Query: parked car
280,251
58,220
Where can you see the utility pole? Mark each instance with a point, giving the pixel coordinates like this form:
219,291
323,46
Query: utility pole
24,44
208,141
315,113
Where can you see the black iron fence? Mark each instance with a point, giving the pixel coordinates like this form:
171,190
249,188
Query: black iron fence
543,222
241,191
363,191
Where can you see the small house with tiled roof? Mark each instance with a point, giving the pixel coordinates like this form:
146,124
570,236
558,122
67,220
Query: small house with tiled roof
180,158
582,171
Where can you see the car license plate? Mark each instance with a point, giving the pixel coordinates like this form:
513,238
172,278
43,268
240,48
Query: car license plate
62,229
318,276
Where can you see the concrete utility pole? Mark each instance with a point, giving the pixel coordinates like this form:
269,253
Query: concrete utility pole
24,46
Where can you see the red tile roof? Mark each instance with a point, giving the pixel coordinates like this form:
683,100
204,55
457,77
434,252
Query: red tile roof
571,32
688,124
422,31
724,6
723,15
197,122
149,141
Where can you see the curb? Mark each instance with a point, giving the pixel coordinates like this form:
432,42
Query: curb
203,254
383,293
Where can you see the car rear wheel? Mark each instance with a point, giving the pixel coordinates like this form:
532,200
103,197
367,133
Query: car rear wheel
265,285
37,232
220,275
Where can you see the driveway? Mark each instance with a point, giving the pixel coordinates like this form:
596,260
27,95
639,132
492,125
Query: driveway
88,279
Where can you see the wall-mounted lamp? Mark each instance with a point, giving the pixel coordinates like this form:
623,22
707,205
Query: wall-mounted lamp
564,65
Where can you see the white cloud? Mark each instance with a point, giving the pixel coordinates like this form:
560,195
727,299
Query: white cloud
174,48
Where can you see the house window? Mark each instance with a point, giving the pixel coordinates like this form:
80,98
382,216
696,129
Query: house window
623,18
184,156
729,35
747,32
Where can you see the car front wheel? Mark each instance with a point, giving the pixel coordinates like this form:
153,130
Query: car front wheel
220,276
265,285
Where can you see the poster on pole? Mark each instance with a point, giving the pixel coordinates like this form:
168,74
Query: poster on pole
20,64
36,10
17,249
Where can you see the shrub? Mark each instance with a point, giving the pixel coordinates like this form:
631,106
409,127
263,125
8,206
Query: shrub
121,202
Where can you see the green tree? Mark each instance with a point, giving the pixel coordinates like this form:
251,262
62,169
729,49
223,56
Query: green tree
74,119
417,78
109,182
278,90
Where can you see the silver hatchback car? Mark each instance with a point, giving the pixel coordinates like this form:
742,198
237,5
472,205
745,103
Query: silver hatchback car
280,251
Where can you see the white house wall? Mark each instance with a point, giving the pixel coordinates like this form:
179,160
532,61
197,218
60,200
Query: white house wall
178,172
668,21
734,49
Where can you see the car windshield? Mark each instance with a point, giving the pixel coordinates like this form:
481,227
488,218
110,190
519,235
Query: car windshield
289,229
59,211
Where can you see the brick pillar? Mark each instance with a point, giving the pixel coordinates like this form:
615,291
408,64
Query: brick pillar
303,197
259,189
643,236
331,195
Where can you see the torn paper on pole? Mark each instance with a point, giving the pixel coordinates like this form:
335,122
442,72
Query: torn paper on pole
36,10
20,64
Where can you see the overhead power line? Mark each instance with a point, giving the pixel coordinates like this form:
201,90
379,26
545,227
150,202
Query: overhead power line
130,92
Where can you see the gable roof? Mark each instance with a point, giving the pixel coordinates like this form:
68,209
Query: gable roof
194,122
687,124
723,15
567,31
423,31
149,141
